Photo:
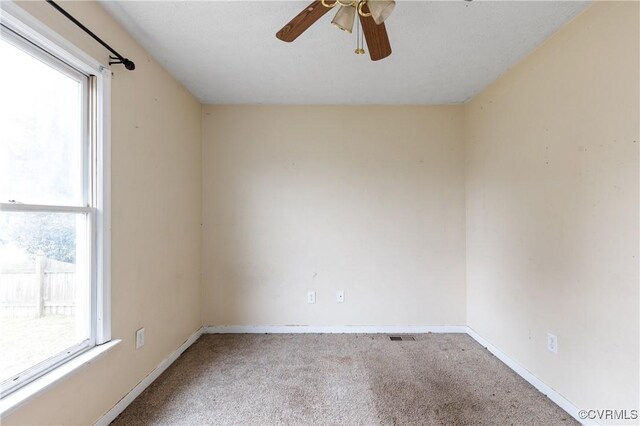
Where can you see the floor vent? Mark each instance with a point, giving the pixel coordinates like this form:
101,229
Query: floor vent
402,338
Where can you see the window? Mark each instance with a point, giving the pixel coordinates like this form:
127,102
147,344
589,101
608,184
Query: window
54,217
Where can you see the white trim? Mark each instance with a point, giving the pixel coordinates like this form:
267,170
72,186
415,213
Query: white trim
360,329
144,383
23,378
26,393
20,207
103,205
554,396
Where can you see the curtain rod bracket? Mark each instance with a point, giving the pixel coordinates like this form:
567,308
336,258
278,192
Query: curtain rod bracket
124,61
118,58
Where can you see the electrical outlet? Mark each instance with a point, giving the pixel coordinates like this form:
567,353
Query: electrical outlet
340,296
140,338
552,343
311,297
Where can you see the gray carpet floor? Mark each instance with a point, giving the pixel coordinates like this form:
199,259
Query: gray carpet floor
340,379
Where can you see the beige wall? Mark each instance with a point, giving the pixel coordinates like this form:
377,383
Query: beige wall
365,199
552,209
156,205
371,200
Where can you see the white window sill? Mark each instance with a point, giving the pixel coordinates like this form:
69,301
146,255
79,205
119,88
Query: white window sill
12,401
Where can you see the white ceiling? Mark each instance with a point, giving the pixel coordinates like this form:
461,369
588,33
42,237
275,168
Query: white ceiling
226,52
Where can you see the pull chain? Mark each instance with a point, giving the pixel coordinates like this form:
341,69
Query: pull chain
359,39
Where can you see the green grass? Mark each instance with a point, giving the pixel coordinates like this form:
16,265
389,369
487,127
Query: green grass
28,341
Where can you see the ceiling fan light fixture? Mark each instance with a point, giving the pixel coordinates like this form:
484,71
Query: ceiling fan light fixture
344,18
380,9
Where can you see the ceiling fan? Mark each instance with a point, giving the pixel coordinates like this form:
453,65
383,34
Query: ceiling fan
371,13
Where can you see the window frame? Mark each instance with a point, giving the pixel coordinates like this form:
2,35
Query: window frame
40,41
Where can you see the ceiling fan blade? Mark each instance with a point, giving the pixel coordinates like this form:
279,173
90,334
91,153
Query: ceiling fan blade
376,36
302,21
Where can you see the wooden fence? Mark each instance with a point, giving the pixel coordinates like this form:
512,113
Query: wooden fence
49,288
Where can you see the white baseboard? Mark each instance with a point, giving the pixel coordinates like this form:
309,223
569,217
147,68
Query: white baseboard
144,383
554,396
359,329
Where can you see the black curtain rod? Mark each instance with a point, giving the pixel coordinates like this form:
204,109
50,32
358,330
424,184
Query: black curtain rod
120,59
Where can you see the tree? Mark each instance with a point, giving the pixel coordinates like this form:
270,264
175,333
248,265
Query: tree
53,234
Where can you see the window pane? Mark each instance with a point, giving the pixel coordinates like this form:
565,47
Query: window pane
40,131
44,289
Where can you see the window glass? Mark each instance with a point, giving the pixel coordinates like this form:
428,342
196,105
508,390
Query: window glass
41,116
47,227
44,296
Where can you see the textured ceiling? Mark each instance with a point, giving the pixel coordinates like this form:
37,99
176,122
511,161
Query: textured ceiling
226,52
